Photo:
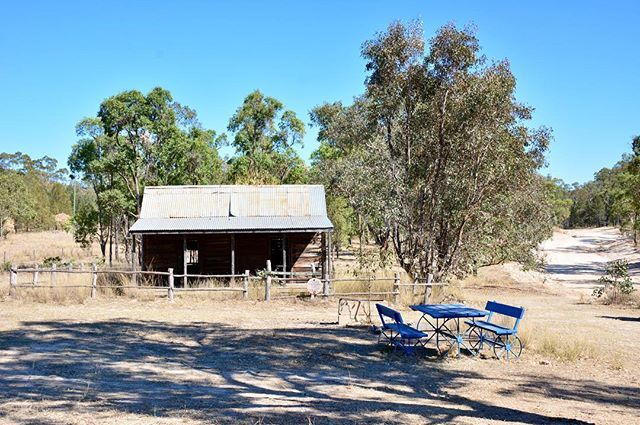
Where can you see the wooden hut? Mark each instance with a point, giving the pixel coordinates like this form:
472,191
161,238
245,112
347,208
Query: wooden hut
228,229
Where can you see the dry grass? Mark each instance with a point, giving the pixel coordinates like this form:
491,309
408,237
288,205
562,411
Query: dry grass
69,288
616,297
34,247
563,347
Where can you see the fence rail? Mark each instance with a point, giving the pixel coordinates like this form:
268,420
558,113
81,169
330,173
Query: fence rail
268,277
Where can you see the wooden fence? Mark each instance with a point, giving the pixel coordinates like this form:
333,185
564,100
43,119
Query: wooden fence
238,283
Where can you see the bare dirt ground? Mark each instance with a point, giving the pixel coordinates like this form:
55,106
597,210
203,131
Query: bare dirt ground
205,361
576,258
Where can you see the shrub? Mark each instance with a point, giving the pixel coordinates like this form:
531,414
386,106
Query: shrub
50,261
617,285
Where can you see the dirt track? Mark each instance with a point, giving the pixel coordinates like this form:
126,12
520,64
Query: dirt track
576,258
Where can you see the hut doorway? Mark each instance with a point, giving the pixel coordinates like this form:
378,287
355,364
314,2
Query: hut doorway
278,254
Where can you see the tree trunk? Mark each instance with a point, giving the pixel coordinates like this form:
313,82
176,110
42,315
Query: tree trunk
117,244
110,242
127,246
360,233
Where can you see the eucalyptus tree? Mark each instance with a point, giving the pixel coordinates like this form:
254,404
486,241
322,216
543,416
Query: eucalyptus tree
265,136
436,155
155,140
137,140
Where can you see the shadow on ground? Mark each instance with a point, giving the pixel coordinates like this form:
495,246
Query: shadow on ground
622,318
225,374
593,268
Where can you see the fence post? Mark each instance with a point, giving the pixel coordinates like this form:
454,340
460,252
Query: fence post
35,276
13,280
325,284
134,275
170,293
245,285
54,267
427,288
396,287
94,280
267,286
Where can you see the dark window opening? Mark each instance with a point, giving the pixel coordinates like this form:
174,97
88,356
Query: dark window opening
192,254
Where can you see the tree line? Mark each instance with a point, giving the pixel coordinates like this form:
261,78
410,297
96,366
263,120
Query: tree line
612,198
32,193
434,161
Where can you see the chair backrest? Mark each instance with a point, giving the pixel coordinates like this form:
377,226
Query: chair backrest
505,310
392,314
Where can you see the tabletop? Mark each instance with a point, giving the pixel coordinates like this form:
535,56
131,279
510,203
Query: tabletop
449,311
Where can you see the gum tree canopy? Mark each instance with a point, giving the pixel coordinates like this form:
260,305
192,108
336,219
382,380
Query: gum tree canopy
265,136
134,141
436,156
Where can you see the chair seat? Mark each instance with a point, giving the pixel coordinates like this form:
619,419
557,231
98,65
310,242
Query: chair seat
406,331
491,327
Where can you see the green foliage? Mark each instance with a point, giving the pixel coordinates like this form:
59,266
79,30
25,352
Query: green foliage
86,224
265,135
617,284
137,140
558,195
16,202
513,226
57,261
32,191
598,202
435,157
343,218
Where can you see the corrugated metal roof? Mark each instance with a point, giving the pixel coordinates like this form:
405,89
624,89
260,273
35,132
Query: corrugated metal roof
229,224
232,207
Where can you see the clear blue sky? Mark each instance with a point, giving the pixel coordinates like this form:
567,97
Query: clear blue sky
577,62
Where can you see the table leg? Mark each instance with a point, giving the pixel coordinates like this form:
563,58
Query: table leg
355,314
458,337
342,305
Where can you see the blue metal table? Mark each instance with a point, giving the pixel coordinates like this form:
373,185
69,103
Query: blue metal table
443,322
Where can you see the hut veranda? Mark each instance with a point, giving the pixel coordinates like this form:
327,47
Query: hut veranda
227,229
